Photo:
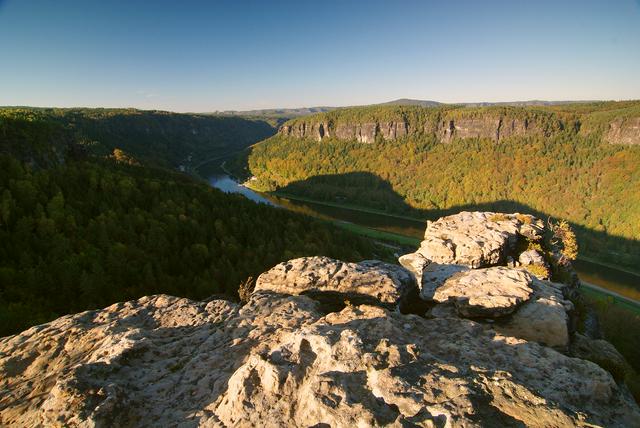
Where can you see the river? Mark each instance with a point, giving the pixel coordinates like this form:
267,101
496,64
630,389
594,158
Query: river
619,282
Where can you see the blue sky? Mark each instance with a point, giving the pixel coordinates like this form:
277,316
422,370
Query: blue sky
233,54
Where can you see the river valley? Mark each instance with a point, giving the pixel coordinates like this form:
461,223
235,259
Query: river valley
621,284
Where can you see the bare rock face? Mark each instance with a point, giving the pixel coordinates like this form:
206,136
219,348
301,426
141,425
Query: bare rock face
365,282
624,131
365,132
470,128
543,318
445,127
460,267
322,342
477,239
281,361
345,132
491,292
429,275
516,128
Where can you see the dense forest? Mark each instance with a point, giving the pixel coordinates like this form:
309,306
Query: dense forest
157,138
79,231
566,172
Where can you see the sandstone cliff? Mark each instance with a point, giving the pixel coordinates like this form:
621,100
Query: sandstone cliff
448,125
321,342
446,129
624,131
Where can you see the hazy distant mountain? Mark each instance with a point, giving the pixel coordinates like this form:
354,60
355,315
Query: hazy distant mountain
411,102
526,103
289,113
277,112
429,103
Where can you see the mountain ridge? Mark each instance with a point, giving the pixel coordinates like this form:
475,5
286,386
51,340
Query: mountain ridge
292,112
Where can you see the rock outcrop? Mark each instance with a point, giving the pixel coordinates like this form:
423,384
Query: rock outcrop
450,124
446,129
365,132
370,281
461,262
281,361
476,239
624,131
491,292
489,351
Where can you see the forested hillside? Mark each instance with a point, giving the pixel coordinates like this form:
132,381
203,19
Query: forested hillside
78,231
153,137
560,163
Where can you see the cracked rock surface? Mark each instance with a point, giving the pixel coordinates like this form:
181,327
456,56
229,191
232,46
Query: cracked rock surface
490,292
477,239
370,281
281,361
323,343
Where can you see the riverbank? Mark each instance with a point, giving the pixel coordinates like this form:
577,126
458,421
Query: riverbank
600,293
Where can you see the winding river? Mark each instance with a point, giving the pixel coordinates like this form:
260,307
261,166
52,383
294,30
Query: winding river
623,284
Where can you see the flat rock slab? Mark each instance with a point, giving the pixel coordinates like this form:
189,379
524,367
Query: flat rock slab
369,281
491,292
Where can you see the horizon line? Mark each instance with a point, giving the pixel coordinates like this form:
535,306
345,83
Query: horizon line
558,101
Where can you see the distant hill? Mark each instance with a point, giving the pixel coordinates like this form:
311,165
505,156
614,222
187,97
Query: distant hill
411,102
271,112
527,103
290,113
174,140
430,103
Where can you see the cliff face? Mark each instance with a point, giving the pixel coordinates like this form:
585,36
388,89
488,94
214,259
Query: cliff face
494,129
448,125
446,130
624,131
463,336
362,132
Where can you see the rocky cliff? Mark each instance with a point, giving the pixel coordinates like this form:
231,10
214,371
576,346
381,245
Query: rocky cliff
463,335
448,125
446,129
624,131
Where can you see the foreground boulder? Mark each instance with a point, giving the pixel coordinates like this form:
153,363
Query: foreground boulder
491,292
543,318
370,281
282,361
477,239
478,265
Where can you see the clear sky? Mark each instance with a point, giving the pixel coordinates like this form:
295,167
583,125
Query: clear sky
233,54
